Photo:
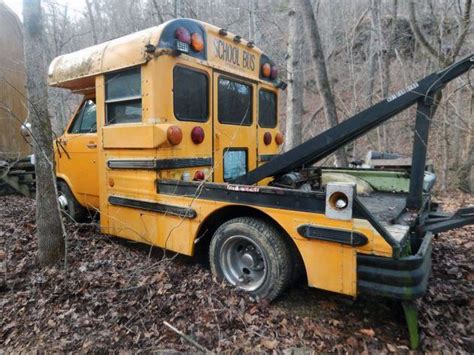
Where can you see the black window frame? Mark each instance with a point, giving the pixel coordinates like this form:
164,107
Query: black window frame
233,149
80,116
197,71
260,111
246,83
125,99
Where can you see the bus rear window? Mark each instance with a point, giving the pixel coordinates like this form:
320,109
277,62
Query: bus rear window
267,109
190,95
234,102
123,96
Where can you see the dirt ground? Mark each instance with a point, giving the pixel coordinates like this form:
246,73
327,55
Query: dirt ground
116,294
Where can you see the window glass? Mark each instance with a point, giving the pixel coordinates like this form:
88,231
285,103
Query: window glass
89,123
76,124
123,84
85,120
235,163
234,102
267,109
123,96
190,95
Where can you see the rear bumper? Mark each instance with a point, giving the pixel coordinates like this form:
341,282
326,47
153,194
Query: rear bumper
402,279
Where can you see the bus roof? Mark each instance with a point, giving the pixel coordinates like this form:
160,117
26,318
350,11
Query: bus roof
222,49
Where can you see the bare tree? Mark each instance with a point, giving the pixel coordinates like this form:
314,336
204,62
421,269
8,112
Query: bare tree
50,230
319,65
294,98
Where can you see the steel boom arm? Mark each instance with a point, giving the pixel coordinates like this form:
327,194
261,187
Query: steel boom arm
328,142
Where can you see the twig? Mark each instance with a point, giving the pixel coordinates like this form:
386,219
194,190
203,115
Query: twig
186,337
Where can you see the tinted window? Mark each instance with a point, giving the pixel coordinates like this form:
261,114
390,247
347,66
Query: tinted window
123,96
190,95
235,163
235,102
85,121
267,109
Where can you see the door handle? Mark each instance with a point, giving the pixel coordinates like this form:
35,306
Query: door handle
91,145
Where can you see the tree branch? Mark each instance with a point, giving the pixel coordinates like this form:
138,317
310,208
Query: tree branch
465,24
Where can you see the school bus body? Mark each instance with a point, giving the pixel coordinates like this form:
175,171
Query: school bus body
139,180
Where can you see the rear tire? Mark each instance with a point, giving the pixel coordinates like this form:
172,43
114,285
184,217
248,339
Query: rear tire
251,255
68,204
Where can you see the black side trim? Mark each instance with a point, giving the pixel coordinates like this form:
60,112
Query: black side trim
153,206
159,164
249,195
402,279
332,235
266,157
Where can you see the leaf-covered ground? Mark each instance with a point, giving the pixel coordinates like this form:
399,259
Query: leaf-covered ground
115,295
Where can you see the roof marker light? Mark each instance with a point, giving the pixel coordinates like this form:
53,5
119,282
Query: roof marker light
182,34
237,38
273,72
197,42
266,70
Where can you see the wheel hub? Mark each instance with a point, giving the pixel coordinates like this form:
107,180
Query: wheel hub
242,262
62,202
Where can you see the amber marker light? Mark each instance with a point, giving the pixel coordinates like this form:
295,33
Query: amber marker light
197,135
279,138
267,138
174,135
266,70
197,42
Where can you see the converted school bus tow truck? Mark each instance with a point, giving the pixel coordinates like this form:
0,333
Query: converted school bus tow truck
177,142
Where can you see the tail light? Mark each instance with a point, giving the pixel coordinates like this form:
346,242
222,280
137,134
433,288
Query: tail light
174,135
266,70
279,138
197,135
182,34
197,43
267,138
273,72
199,175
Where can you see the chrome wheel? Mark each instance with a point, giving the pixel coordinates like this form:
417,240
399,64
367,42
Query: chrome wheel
243,263
63,203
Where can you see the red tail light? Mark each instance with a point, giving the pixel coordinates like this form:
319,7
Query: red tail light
273,72
182,35
174,135
279,138
267,138
197,135
199,175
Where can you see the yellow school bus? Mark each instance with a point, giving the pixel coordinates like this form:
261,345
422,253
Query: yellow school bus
177,144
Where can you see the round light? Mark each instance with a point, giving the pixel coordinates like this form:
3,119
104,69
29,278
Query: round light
111,182
266,70
199,175
182,35
197,42
197,135
339,200
174,135
267,138
279,139
273,72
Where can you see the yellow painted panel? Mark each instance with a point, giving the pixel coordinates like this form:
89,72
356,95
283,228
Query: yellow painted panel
134,135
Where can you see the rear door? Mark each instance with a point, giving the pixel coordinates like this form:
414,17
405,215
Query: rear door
234,126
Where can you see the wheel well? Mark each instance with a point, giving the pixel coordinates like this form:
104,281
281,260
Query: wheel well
212,222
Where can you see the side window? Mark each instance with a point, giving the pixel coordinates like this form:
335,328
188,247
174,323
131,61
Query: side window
85,120
235,163
234,102
190,95
267,109
123,96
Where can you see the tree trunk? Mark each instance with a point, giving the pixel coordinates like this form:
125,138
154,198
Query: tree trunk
92,21
322,79
294,98
50,230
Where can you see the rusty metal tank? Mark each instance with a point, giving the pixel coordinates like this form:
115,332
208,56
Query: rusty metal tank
13,103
